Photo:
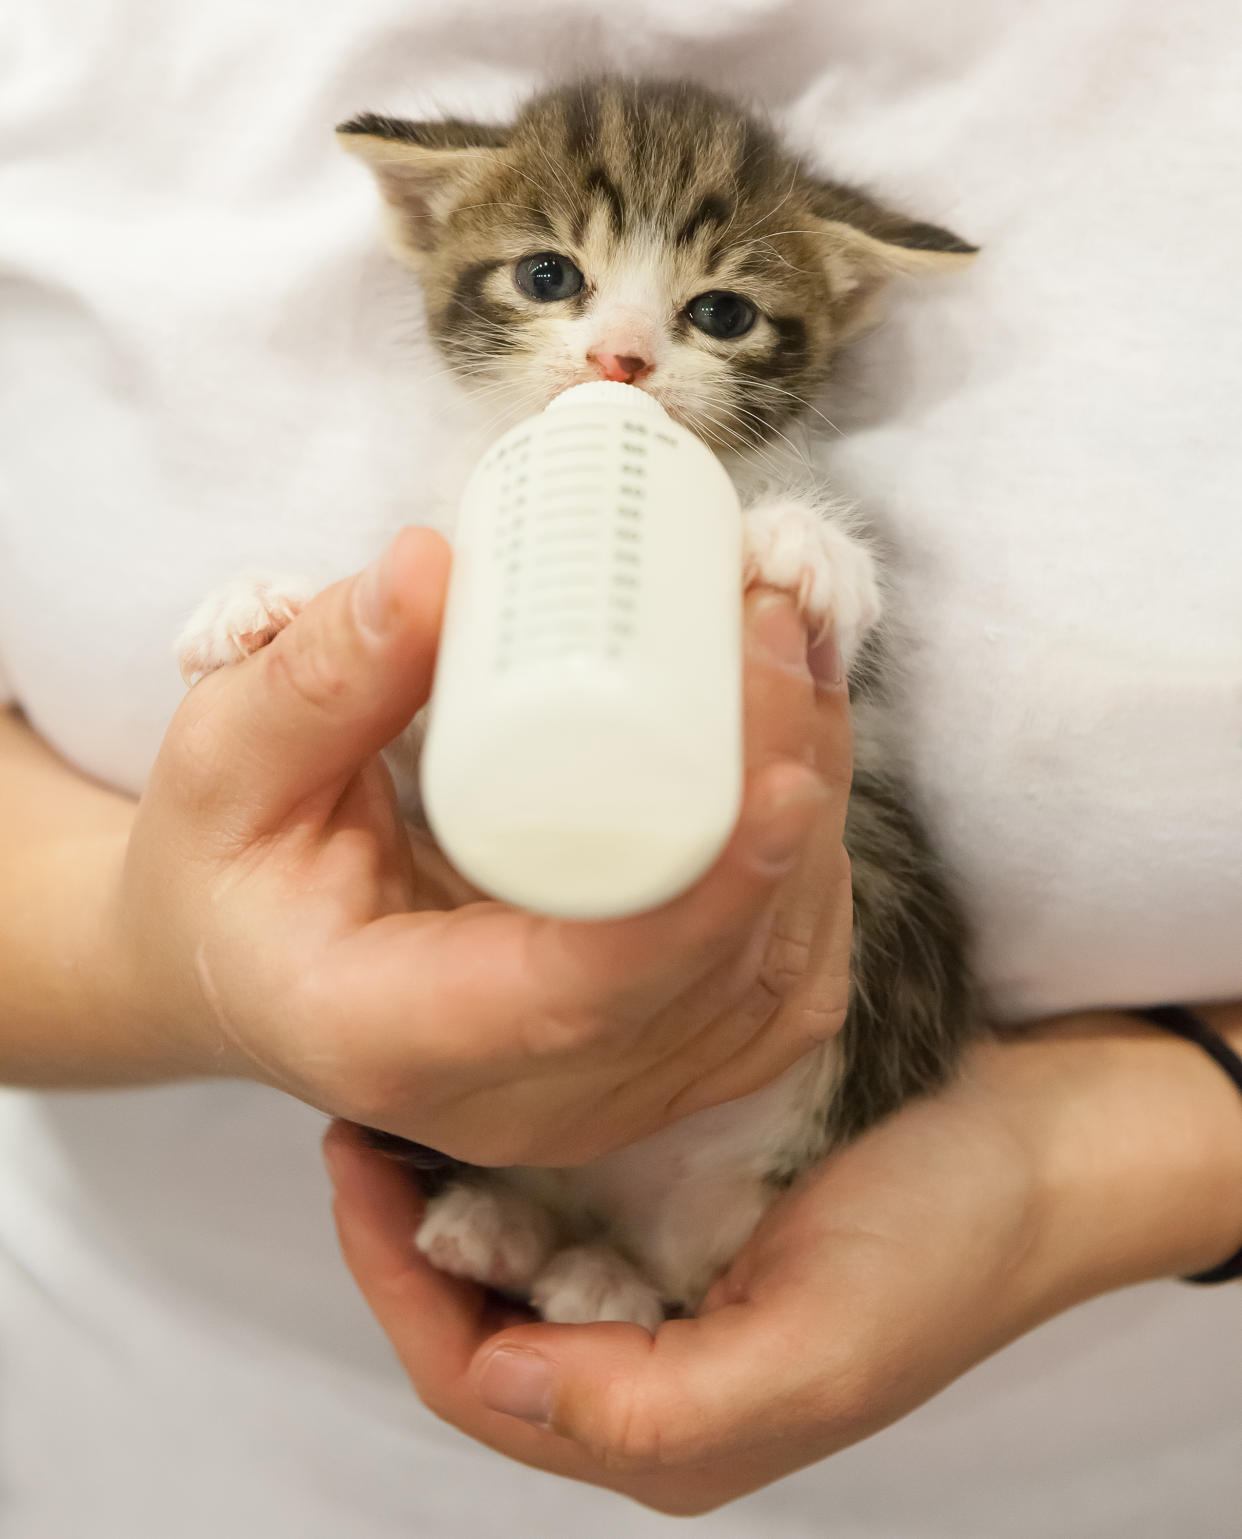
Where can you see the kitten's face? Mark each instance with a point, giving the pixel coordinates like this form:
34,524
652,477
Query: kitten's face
650,233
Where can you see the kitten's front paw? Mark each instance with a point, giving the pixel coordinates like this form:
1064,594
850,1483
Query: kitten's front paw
237,620
487,1234
830,573
592,1282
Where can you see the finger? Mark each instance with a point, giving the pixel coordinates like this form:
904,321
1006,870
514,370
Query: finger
377,1209
831,739
806,964
553,970
796,701
799,1001
297,719
800,993
713,1389
808,958
804,975
553,986
777,685
436,1324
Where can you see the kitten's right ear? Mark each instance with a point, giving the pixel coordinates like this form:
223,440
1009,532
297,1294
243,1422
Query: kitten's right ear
420,167
866,245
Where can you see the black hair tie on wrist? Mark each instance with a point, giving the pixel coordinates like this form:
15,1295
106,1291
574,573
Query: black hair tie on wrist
1184,1023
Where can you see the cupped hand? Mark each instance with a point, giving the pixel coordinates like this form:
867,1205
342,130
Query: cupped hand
1058,1166
275,922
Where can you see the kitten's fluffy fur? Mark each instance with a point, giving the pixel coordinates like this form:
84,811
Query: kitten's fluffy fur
660,193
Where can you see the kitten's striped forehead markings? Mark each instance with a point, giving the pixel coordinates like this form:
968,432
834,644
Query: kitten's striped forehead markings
658,193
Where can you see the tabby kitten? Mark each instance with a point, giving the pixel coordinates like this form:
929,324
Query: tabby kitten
660,235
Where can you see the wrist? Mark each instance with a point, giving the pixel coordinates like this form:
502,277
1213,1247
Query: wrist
148,995
121,966
1135,1140
100,1014
76,981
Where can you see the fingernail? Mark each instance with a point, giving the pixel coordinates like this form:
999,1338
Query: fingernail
777,633
824,660
519,1383
790,814
373,595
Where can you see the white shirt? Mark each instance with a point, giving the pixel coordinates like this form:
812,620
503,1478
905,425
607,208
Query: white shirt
205,366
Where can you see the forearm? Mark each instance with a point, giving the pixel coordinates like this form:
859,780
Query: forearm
66,1012
1141,1170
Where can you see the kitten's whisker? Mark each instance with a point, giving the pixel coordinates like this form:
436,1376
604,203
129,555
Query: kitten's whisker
465,208
784,261
517,398
799,455
739,439
485,321
556,176
801,400
753,438
772,234
771,214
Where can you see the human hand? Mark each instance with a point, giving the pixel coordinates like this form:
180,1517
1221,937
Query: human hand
274,922
1091,1154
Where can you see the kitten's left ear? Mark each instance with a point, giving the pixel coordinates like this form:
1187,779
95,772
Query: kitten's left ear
867,244
420,167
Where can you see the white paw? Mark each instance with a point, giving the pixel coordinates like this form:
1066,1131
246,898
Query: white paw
592,1282
487,1234
829,572
237,620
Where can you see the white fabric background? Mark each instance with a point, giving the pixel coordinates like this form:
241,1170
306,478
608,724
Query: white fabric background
205,365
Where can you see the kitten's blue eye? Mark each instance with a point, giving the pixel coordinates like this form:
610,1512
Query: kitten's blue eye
722,315
547,276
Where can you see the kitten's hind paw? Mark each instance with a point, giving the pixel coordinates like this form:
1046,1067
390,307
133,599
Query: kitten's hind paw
237,620
487,1234
592,1282
829,572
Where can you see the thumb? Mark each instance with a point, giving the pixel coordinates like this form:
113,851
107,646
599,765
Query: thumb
699,1388
346,677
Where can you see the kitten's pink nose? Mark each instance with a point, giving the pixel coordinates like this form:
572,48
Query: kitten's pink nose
625,368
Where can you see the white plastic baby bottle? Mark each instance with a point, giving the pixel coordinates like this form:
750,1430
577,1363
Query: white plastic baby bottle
584,751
